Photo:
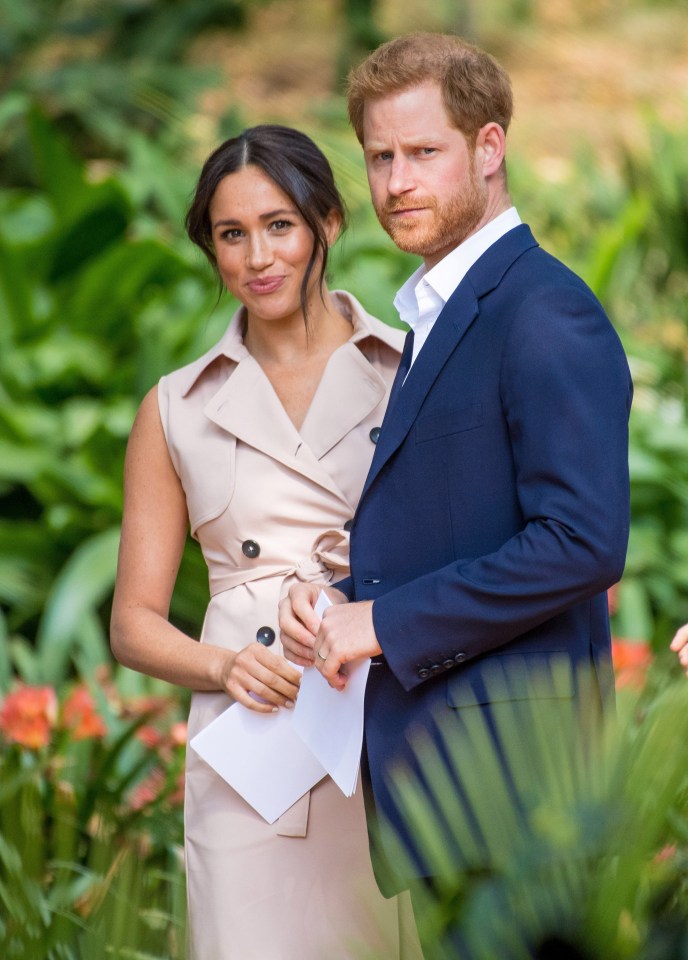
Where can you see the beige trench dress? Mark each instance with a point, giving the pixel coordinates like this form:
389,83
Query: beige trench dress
269,506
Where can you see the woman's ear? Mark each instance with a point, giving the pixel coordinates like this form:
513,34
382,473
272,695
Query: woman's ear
333,224
490,148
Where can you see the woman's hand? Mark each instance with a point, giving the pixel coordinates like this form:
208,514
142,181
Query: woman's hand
260,679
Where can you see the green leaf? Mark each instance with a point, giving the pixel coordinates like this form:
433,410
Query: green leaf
79,589
15,296
58,170
5,662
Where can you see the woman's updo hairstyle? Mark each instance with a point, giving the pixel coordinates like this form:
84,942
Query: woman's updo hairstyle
295,164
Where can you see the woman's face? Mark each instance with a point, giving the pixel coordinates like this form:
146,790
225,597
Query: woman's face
262,245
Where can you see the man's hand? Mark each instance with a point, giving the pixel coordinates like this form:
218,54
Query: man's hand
346,633
299,623
680,646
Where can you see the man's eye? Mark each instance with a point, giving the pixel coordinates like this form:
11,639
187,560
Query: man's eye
426,151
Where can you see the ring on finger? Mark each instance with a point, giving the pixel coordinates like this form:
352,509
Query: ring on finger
319,654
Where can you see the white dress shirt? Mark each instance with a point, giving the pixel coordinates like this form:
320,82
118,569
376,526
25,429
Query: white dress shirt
423,296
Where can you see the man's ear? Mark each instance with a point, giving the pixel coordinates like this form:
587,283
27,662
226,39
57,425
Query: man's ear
490,148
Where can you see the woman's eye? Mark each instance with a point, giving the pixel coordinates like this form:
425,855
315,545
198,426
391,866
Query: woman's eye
233,233
281,224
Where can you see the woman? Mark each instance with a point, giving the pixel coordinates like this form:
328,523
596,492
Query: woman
261,447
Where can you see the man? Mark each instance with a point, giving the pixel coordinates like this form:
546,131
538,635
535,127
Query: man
495,513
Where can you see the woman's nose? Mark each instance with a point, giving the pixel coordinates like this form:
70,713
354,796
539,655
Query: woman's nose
260,253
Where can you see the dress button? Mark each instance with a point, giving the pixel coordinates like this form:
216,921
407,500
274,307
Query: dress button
423,673
266,636
250,549
348,525
374,434
459,658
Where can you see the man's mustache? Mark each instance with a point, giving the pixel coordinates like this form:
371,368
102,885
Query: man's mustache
398,204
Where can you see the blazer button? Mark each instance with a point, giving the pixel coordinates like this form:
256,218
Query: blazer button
374,434
250,549
423,673
459,658
448,664
266,636
348,525
435,668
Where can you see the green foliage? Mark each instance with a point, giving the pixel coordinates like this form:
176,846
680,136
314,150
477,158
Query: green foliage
90,825
105,69
574,842
93,312
639,267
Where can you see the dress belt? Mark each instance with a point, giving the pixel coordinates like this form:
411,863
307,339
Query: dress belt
328,559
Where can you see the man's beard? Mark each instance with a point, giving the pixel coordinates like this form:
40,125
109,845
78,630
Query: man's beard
452,220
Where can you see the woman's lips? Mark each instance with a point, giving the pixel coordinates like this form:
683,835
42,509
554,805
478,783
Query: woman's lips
265,284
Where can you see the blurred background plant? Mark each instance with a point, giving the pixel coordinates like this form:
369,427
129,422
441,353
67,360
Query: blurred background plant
576,847
91,788
107,111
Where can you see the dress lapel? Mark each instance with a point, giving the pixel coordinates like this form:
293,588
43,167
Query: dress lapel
247,407
349,390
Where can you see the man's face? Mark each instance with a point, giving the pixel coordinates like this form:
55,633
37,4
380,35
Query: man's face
424,183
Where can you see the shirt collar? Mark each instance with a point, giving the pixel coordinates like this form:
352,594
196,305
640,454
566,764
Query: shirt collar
445,276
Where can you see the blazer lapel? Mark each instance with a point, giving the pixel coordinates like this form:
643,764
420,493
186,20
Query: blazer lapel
452,323
458,314
402,370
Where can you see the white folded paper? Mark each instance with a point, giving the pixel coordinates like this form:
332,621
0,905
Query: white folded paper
261,756
273,759
330,722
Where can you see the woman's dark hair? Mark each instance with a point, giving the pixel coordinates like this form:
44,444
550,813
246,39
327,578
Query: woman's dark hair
295,164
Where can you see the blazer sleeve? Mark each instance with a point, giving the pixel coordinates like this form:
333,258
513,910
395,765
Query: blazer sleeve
565,394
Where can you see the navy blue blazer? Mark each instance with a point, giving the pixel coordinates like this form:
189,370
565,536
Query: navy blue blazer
496,511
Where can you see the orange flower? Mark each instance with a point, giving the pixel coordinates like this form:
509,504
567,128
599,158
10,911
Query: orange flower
28,715
80,717
666,853
153,706
148,791
178,734
149,737
631,659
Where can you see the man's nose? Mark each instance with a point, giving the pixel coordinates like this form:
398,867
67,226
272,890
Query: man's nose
401,177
